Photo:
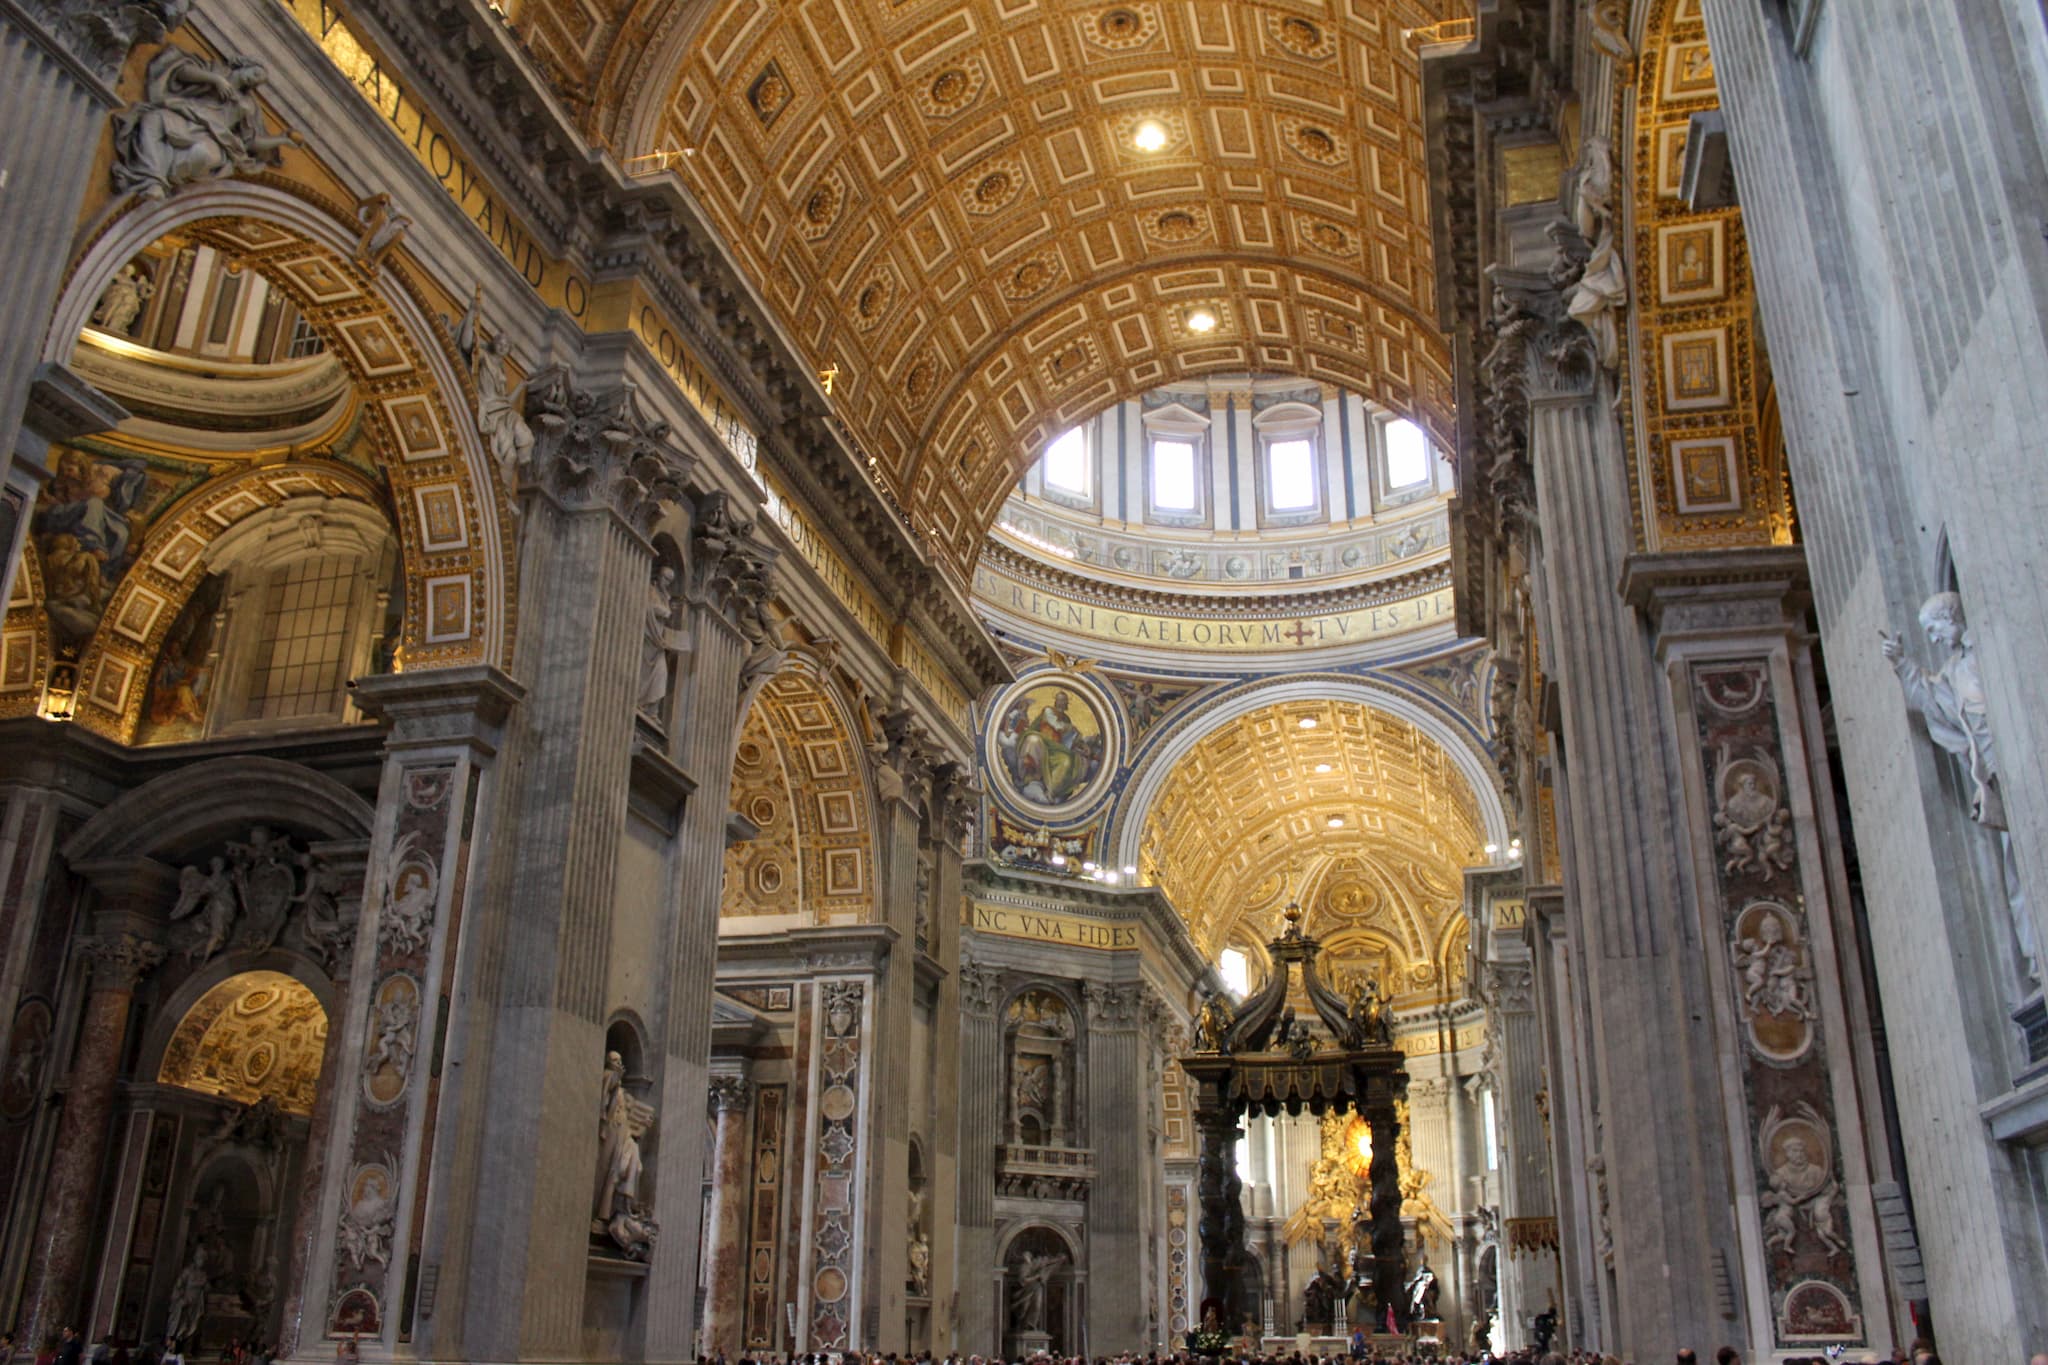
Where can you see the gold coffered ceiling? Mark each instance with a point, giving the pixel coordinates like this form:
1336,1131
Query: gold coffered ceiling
944,201
1244,820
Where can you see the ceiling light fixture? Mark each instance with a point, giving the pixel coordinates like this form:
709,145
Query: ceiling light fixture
1149,136
1322,767
1201,320
1307,722
1336,822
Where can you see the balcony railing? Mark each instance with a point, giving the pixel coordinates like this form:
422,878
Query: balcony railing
1028,1172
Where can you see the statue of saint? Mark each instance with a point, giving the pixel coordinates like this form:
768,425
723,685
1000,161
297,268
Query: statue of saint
663,640
1033,1275
1952,702
618,1149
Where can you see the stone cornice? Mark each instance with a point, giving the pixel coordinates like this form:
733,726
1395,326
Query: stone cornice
1246,605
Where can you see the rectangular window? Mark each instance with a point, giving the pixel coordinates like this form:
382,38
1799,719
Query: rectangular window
1407,454
1492,1125
1066,464
1291,476
1173,476
302,643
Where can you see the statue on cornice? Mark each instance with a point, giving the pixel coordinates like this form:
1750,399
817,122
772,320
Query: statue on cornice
1601,292
1952,702
498,418
197,120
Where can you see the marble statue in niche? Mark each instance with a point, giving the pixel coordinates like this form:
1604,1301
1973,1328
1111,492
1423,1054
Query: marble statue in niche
1952,701
920,1246
616,1212
197,120
1033,1272
662,641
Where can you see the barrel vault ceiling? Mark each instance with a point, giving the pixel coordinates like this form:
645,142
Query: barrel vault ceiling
944,202
1353,811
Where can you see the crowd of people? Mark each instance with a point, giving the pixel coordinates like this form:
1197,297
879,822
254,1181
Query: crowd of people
1918,1354
69,1348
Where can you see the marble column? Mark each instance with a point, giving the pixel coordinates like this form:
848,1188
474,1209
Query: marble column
71,1194
980,1123
59,64
320,1129
725,1306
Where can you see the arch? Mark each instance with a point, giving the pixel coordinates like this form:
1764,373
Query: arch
453,513
1073,1244
205,1013
825,779
199,531
1152,772
182,811
1713,469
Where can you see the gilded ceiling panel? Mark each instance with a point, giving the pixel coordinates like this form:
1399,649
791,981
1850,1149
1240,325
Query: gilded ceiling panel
949,203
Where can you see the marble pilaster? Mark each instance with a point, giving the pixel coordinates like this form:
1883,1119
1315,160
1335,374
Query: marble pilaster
729,582
373,1269
725,1306
980,1127
903,784
1118,1297
1777,940
71,1194
1645,982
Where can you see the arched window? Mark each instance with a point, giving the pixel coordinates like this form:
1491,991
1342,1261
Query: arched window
295,604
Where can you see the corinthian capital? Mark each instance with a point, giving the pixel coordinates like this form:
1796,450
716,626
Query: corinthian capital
731,570
121,960
729,1093
603,449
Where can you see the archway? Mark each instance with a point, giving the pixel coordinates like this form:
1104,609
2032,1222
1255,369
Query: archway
1038,1286
229,1118
806,853
412,405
